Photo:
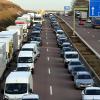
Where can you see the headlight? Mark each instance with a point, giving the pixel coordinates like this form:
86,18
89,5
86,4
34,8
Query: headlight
6,98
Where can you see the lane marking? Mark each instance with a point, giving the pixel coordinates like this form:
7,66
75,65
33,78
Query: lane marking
88,32
49,71
46,33
48,58
98,40
47,43
47,49
51,93
46,38
93,36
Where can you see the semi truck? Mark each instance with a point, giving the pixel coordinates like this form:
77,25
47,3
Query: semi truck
19,30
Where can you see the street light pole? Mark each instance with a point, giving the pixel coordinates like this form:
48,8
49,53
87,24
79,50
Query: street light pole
74,22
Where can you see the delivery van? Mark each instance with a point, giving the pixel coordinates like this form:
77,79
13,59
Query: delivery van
18,84
26,59
31,47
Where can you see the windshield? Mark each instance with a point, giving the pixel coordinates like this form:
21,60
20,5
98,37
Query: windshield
25,60
75,63
26,49
30,99
84,77
23,68
16,88
35,39
37,18
92,92
79,69
71,55
67,49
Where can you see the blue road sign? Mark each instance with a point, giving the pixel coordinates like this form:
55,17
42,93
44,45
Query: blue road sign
94,8
66,8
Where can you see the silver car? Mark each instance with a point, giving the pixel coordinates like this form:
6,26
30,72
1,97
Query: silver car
73,64
83,79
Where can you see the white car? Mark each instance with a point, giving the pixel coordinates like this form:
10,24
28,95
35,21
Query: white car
91,93
70,56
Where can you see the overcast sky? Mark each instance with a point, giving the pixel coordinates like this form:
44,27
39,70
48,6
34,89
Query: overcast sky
43,4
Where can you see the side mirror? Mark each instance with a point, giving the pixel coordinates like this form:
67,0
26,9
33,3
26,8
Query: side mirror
82,92
2,91
30,90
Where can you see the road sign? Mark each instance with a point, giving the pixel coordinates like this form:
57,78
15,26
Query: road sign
67,8
94,8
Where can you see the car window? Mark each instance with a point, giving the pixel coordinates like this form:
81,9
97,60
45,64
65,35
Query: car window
92,92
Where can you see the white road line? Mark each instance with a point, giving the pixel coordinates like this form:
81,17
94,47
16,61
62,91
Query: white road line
47,49
48,58
46,38
47,43
93,36
51,93
88,32
46,33
49,71
98,40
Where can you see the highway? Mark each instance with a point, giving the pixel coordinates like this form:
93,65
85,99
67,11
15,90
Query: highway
51,79
90,35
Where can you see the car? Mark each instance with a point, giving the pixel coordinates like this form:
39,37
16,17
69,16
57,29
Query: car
31,97
70,56
61,41
72,64
59,31
36,39
65,49
91,93
77,69
83,79
66,44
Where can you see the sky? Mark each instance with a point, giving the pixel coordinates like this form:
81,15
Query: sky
43,4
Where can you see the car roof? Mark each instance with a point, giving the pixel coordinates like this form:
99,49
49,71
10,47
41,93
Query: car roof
28,96
71,52
28,45
25,54
90,88
18,76
83,73
66,43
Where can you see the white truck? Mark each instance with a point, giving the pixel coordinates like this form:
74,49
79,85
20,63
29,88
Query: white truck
18,84
38,18
3,61
28,18
9,47
12,34
83,15
19,30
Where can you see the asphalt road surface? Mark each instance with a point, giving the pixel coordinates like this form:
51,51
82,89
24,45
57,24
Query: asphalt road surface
90,35
51,79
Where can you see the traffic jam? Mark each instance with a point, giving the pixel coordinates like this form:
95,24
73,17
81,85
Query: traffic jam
25,39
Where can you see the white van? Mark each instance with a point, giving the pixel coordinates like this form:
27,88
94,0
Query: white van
26,59
18,84
31,47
